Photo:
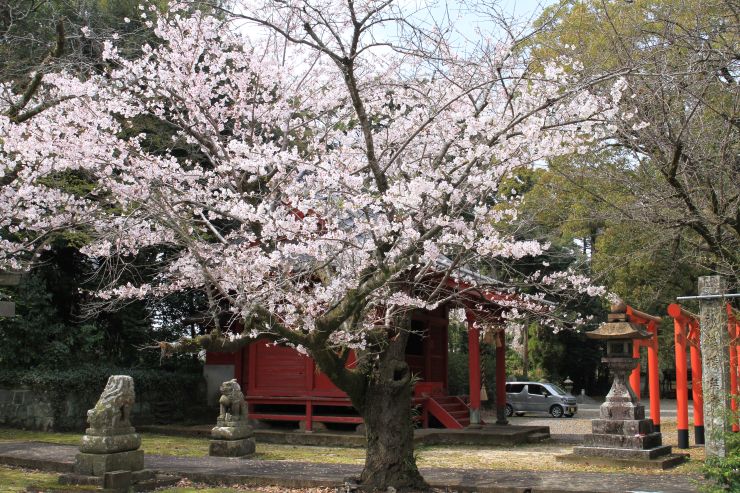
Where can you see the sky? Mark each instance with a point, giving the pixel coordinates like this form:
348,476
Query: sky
518,13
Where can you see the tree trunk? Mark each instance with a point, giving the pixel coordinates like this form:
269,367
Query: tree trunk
389,426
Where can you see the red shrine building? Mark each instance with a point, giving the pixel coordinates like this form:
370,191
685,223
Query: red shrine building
282,385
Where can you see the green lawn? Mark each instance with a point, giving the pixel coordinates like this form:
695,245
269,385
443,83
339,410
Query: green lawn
15,480
198,447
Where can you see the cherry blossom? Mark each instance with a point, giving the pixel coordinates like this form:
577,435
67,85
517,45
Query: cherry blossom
312,210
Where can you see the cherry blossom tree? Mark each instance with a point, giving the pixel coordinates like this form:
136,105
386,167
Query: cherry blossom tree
343,162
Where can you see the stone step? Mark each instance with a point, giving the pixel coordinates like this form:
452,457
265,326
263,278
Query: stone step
159,481
627,427
537,437
637,442
622,453
660,463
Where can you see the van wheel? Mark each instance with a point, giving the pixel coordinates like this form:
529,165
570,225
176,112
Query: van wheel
509,410
556,411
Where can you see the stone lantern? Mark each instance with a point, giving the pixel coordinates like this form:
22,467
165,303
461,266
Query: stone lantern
568,383
621,401
622,435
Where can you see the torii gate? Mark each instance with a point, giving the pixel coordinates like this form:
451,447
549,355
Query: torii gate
687,329
652,322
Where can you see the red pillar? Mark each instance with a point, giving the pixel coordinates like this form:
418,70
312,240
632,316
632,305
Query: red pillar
635,375
733,372
682,396
474,369
501,378
697,394
737,354
653,382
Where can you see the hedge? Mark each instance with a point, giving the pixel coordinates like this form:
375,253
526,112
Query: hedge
169,396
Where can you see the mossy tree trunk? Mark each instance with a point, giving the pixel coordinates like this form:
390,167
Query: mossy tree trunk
381,390
389,426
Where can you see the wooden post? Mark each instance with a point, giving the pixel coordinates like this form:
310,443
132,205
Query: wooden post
697,395
685,319
651,322
682,391
653,381
733,371
474,370
715,364
737,353
635,375
501,378
309,416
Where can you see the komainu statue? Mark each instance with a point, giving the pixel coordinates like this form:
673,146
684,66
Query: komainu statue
113,409
232,403
232,435
111,443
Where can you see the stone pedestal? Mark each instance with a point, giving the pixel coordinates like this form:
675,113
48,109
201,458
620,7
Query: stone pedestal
99,464
622,435
232,438
231,448
109,448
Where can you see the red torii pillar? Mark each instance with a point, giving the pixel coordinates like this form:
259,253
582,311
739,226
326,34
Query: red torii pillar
683,320
474,369
638,317
734,331
501,378
696,385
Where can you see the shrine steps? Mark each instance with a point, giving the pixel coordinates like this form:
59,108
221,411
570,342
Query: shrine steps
451,411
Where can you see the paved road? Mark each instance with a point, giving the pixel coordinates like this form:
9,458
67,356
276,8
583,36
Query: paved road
590,410
667,409
571,430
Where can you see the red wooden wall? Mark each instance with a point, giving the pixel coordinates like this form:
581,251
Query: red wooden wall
266,370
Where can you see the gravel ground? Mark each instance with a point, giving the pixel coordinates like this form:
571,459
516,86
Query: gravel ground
560,428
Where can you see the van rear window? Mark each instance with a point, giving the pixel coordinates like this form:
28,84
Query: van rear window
514,388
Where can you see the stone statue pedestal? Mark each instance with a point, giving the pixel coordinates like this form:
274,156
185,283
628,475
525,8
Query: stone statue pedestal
231,438
622,435
109,449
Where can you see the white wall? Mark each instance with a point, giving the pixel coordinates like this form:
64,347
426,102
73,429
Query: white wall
215,375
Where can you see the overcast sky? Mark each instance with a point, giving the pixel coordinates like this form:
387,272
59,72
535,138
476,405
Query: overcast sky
518,13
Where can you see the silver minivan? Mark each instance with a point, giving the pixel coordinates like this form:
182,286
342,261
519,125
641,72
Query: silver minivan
523,397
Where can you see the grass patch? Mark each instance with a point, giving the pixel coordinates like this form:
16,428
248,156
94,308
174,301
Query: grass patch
304,453
14,435
20,480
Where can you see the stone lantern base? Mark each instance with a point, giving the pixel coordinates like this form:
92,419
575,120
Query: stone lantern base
622,435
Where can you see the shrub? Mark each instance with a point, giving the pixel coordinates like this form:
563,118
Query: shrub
165,392
724,472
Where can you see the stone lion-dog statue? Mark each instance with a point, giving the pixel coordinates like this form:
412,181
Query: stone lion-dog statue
232,403
113,409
